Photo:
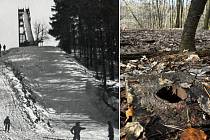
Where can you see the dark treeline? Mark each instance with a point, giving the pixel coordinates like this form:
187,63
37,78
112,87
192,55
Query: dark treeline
89,30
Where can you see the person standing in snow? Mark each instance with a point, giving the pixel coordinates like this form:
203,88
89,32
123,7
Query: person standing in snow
0,49
110,130
75,130
7,124
4,47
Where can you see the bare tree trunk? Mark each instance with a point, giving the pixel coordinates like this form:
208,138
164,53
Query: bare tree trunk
153,23
170,16
172,13
178,7
139,24
158,12
181,12
164,22
207,16
150,15
188,35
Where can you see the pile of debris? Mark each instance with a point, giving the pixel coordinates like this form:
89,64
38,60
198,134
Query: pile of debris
166,97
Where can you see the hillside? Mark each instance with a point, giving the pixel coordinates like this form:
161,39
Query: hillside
46,85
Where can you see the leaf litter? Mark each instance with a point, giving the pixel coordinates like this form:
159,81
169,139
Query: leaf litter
169,89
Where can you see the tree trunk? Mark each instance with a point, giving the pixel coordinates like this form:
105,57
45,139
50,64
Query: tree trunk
172,16
181,12
102,45
178,7
95,57
158,12
207,16
188,35
134,16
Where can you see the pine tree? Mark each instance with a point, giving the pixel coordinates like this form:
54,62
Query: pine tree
90,30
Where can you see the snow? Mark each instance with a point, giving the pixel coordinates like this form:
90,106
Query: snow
21,59
59,82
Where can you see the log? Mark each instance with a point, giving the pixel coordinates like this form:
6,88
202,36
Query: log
171,109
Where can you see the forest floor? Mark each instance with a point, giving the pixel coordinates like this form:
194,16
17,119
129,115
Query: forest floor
156,41
43,91
164,93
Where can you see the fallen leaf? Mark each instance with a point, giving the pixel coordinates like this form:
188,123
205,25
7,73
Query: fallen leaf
154,64
129,96
133,130
164,81
195,71
184,51
179,91
193,134
133,61
130,66
160,67
122,65
185,85
144,58
193,58
207,79
206,85
140,66
129,112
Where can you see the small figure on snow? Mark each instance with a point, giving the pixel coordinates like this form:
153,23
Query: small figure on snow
7,124
110,130
48,124
4,47
75,130
0,49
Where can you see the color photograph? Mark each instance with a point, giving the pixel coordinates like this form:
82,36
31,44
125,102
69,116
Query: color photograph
164,70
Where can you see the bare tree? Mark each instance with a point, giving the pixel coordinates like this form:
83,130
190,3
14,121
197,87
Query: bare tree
156,14
191,23
41,32
178,6
207,16
137,20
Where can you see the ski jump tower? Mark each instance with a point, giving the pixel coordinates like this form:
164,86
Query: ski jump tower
24,28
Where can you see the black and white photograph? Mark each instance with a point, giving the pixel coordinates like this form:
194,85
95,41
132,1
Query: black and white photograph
59,70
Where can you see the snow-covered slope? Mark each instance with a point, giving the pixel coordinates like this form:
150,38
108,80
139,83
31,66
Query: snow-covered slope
59,85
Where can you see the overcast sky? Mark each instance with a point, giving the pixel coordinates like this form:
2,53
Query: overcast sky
40,11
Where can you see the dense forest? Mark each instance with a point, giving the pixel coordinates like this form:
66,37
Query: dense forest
89,30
